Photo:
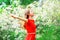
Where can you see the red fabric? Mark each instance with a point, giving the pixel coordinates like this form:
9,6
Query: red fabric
31,28
30,37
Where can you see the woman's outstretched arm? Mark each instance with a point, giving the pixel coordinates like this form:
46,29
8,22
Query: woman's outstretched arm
20,18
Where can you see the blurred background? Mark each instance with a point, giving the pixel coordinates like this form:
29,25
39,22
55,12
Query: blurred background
47,22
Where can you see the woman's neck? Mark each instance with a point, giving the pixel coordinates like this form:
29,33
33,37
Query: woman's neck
30,17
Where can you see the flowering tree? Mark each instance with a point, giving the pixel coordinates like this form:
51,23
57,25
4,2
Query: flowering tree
47,14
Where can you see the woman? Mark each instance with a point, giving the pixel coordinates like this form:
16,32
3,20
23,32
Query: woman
29,25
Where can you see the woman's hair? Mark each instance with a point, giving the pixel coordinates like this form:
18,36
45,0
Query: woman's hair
27,14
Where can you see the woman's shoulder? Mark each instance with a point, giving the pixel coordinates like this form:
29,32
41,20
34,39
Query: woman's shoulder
30,20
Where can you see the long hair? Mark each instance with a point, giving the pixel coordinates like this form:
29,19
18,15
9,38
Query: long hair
27,14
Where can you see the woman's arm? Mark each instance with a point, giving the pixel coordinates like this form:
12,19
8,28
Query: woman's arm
20,18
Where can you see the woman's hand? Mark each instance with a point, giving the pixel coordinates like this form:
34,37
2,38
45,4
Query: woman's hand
13,16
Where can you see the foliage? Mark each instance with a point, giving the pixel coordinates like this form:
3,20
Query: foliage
5,1
26,2
48,21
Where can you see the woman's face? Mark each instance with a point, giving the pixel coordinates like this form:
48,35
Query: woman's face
31,14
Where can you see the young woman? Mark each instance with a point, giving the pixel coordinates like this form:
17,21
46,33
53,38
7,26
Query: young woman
29,25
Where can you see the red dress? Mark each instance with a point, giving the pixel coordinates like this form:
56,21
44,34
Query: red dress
31,29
